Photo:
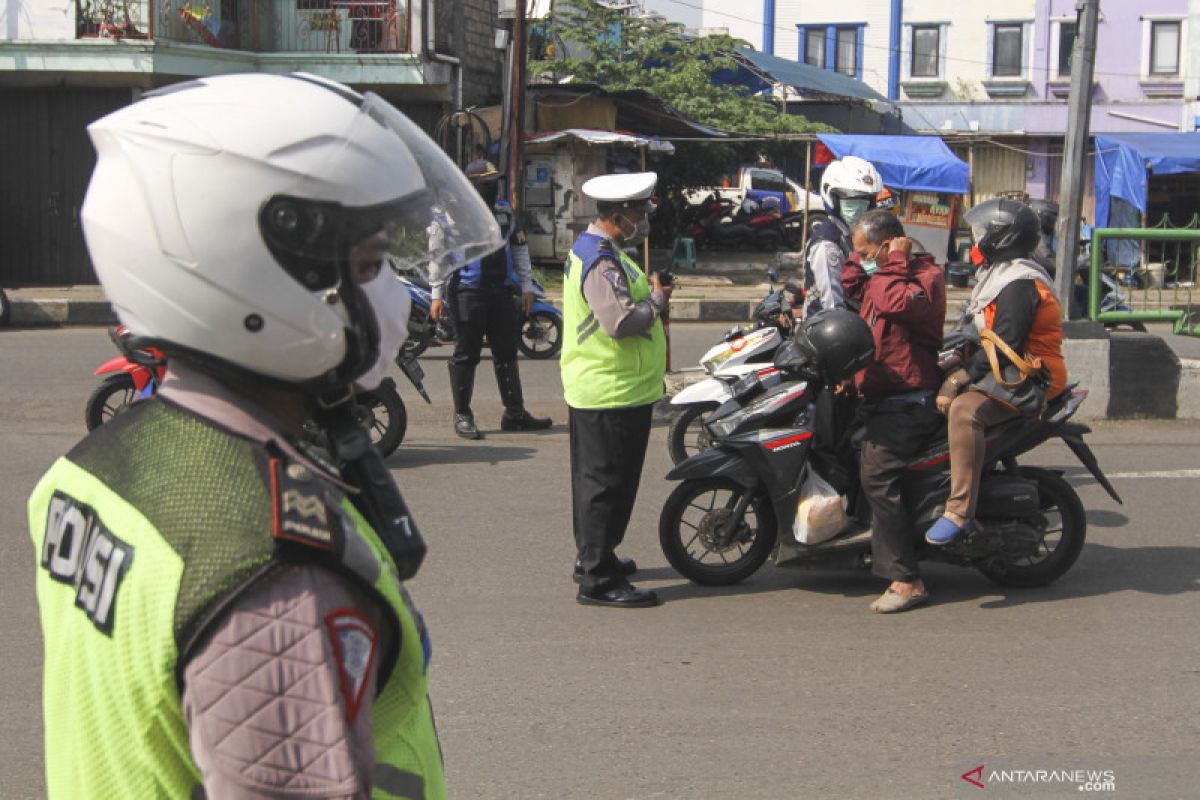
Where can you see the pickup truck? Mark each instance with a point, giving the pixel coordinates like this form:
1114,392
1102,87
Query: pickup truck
758,183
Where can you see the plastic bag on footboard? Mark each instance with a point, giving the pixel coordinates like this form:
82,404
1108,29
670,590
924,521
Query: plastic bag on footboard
820,513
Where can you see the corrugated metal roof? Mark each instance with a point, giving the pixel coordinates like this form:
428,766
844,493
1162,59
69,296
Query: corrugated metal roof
806,78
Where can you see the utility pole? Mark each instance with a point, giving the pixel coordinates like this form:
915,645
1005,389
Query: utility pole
515,134
1075,160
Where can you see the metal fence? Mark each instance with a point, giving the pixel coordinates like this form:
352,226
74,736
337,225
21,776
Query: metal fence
1151,276
269,26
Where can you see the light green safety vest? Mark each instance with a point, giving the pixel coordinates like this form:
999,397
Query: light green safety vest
599,371
144,532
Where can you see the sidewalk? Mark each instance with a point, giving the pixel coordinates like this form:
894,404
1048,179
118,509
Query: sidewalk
699,296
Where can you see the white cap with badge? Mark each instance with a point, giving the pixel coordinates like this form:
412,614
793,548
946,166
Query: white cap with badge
626,188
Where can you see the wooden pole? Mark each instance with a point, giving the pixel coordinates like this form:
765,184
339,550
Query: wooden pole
808,148
516,141
666,314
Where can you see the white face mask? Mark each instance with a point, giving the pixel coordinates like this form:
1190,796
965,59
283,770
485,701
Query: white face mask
391,303
641,229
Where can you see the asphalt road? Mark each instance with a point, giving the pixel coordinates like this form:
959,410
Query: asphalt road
785,686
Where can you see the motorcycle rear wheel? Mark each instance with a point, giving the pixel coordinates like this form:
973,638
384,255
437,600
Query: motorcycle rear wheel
691,519
384,417
687,436
1062,541
541,335
114,394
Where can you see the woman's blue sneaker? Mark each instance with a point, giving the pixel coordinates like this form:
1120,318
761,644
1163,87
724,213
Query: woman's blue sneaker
943,531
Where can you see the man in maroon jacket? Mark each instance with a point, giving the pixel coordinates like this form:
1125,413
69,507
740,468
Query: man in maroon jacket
903,299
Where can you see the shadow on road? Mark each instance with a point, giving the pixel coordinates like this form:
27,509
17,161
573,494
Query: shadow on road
1104,570
425,455
1101,570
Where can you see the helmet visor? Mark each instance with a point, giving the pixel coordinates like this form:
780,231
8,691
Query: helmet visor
444,224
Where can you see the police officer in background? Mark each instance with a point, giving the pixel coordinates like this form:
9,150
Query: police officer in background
481,303
613,364
849,188
222,607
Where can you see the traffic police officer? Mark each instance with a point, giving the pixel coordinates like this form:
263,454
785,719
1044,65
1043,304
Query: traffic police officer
222,608
481,300
613,364
849,188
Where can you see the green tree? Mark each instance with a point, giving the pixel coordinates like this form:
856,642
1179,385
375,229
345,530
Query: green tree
589,43
617,51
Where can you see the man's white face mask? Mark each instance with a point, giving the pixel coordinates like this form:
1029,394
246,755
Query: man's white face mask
391,304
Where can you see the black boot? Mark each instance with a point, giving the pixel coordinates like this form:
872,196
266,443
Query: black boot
462,384
515,417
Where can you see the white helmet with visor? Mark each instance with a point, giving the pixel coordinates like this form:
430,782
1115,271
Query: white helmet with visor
243,220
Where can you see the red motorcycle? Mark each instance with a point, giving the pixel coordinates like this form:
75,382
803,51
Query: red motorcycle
136,374
131,376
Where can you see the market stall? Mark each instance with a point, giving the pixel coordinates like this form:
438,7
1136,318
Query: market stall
556,165
931,181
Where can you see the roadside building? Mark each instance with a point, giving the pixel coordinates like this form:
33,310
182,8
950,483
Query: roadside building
66,64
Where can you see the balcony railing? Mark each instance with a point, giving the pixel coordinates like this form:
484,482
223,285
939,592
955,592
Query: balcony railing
263,26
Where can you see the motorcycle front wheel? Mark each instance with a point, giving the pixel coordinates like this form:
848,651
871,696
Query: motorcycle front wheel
687,435
383,415
1060,542
541,335
691,525
114,394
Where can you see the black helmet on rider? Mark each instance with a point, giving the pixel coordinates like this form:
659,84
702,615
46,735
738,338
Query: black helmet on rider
1047,214
840,342
1003,229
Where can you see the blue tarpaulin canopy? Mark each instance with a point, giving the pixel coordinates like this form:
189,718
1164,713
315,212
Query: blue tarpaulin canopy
921,163
1124,160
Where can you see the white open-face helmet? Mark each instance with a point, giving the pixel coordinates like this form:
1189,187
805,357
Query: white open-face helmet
854,179
222,213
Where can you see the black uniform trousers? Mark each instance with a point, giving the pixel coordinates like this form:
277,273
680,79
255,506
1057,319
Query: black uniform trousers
480,312
608,448
896,432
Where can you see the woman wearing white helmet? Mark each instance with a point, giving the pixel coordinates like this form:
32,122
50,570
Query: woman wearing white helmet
849,188
215,597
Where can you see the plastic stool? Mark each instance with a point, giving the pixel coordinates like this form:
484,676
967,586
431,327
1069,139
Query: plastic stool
686,259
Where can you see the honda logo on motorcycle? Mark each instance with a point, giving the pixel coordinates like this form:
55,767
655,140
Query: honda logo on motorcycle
787,442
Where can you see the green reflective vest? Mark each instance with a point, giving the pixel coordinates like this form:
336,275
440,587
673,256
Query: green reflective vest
599,371
144,533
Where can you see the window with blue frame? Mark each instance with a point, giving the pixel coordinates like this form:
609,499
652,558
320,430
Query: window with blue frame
814,47
837,47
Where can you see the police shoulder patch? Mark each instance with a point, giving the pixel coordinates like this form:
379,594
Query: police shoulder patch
354,640
79,551
301,507
614,276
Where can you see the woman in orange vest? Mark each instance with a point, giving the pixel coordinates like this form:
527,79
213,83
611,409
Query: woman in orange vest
1014,298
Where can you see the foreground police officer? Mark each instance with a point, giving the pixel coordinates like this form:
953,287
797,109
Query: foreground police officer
481,302
613,363
223,610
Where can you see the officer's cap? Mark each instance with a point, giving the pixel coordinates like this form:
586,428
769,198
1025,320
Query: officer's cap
629,189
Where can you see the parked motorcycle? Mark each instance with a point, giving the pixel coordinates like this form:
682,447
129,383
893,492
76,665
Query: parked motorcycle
741,352
736,503
136,374
541,328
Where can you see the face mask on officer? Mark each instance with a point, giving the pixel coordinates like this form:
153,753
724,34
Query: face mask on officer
390,303
641,229
853,208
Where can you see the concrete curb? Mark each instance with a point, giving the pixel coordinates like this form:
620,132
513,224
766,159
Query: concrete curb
61,312
1128,375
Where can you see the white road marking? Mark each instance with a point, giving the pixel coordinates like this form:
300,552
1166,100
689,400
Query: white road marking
1168,473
